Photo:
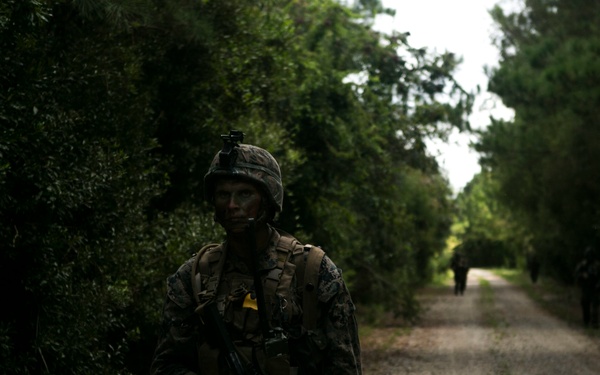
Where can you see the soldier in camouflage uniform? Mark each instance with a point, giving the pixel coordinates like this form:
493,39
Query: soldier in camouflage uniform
460,266
587,275
244,182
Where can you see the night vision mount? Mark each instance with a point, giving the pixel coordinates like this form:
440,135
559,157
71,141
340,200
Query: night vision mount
228,154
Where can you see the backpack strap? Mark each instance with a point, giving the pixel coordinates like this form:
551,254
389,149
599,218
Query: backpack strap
310,283
206,270
285,252
307,276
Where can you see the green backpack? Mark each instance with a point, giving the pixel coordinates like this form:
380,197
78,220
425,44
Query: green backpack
209,261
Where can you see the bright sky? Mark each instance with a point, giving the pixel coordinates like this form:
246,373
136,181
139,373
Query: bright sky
463,27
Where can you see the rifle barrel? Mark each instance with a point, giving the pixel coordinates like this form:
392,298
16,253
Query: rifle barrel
258,285
231,354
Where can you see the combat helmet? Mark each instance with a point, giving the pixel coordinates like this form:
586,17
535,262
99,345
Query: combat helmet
246,162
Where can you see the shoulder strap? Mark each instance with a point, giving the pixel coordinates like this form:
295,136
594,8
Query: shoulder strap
307,275
201,268
310,284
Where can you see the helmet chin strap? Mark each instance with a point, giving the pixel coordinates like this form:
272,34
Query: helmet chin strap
262,217
260,220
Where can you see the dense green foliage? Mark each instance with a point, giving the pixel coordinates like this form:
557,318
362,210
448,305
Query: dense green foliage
487,230
545,162
111,111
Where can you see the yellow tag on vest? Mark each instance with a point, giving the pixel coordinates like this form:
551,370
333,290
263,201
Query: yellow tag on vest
250,302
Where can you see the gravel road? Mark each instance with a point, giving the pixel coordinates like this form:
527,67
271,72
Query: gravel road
494,328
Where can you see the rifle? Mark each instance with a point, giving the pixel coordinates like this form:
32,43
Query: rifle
225,343
275,343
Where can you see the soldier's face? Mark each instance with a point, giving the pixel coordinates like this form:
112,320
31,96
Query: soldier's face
235,202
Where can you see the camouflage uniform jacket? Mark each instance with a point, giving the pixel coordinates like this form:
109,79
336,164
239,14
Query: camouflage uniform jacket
182,332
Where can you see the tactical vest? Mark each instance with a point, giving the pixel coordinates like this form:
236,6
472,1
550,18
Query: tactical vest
290,291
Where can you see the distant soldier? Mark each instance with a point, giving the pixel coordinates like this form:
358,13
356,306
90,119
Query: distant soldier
587,275
460,266
533,265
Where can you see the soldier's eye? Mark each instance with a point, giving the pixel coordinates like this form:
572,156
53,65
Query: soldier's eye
221,195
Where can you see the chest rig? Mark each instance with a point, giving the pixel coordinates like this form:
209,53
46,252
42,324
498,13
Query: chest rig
290,288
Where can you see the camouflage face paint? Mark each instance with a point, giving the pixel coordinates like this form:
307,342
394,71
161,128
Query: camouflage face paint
235,202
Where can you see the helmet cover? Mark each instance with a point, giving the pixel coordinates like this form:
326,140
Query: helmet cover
246,162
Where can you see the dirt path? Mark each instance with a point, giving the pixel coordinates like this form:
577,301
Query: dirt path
494,328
